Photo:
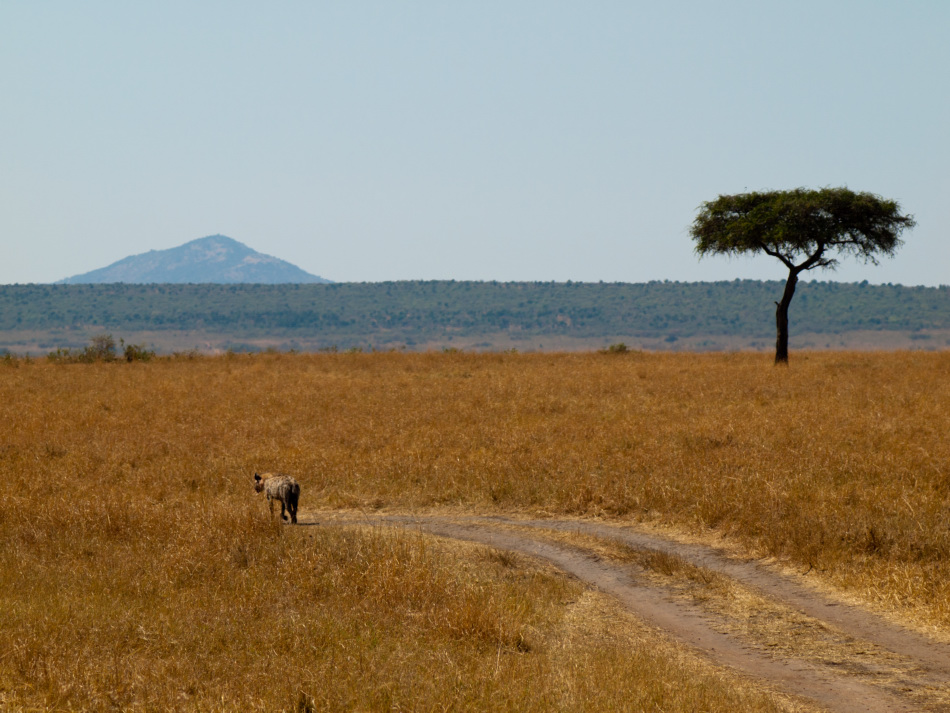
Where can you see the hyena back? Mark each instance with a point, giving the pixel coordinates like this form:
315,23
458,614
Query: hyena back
282,488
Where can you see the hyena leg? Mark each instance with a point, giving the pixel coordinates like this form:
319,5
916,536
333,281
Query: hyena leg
270,504
283,510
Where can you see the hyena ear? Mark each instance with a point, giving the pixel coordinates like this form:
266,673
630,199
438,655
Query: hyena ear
257,477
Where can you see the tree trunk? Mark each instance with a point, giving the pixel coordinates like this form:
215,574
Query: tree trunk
781,318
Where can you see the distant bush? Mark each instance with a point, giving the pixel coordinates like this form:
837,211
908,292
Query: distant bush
62,356
137,352
101,348
618,348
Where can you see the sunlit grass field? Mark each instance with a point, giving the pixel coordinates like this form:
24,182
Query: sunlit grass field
139,571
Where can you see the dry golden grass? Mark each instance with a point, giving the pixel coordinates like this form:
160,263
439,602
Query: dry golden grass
604,660
759,620
139,571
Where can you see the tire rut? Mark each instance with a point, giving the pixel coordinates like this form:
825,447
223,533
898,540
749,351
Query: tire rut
927,662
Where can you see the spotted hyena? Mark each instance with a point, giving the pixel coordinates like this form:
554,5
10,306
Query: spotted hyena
282,488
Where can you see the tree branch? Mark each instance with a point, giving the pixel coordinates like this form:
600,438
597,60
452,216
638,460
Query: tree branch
775,253
815,259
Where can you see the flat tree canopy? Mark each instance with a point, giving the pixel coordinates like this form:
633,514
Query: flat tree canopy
804,229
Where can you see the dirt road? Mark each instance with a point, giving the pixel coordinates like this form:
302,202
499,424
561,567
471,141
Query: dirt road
738,613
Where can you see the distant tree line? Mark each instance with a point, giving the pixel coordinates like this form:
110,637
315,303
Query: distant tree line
422,310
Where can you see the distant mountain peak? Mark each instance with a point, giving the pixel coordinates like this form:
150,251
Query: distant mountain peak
214,259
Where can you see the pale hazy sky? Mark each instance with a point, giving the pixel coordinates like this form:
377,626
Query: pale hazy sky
482,140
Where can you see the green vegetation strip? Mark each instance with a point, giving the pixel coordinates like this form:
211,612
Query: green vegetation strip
408,312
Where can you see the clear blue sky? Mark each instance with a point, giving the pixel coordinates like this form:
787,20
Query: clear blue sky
482,140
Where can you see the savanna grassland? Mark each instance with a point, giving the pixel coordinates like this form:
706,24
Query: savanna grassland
138,570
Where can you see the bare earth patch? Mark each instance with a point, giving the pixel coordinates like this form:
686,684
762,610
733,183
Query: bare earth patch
737,613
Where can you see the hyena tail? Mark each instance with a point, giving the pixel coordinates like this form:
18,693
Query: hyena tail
293,498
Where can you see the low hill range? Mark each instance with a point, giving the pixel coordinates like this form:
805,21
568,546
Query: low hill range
215,294
420,315
215,259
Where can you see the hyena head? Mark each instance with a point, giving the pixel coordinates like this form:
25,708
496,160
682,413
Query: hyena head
258,483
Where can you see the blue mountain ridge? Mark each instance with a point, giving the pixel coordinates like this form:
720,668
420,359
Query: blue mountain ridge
212,259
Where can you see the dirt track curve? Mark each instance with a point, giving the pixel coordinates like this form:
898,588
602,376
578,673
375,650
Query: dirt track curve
884,667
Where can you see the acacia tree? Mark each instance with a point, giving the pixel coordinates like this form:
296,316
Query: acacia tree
804,229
